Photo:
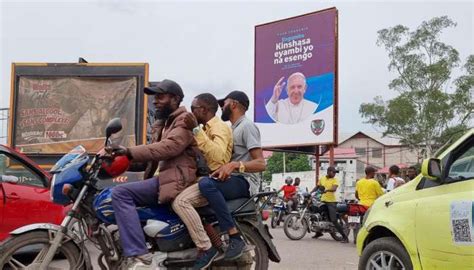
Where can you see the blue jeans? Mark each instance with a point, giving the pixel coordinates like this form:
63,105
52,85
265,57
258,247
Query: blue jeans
125,199
217,192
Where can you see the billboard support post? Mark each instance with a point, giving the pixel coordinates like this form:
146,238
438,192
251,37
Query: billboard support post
317,164
331,155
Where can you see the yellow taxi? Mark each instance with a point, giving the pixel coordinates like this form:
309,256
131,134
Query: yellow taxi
428,222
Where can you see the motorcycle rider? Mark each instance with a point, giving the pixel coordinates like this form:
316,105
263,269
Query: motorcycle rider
289,192
173,145
238,178
330,184
214,139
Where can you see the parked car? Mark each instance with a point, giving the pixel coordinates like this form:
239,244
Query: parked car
426,223
24,193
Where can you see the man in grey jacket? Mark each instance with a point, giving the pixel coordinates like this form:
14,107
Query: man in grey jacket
173,146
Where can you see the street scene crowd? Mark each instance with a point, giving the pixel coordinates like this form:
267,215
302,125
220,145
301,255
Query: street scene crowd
150,181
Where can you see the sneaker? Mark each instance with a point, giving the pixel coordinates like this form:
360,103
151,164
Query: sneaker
235,249
205,258
317,235
345,240
142,262
220,256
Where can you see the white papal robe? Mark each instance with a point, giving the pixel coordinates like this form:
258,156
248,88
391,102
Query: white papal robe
287,113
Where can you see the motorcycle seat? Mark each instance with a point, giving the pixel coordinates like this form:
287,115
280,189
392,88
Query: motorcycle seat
342,208
232,205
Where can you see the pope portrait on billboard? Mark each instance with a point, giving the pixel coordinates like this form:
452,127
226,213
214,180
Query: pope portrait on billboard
295,108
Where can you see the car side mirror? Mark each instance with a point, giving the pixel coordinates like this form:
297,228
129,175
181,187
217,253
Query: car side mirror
431,169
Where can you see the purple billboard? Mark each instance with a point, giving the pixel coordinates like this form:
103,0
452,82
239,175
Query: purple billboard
296,80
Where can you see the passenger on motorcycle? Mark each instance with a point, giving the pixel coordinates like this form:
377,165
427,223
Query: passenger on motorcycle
214,139
289,193
330,184
299,192
173,145
239,177
297,185
368,189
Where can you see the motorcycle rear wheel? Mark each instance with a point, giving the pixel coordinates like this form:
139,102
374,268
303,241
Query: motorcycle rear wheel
295,227
16,251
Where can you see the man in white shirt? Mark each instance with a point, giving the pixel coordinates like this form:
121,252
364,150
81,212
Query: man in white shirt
394,180
295,108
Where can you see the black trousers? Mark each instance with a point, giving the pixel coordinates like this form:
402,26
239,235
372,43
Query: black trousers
332,209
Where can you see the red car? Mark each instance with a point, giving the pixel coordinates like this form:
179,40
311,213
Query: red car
24,193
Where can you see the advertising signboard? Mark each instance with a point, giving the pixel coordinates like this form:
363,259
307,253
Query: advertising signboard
296,80
56,107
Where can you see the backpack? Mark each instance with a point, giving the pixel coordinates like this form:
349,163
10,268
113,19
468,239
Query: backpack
201,163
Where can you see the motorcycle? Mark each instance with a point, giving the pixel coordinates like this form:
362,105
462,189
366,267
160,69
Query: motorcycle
91,218
355,214
279,211
314,217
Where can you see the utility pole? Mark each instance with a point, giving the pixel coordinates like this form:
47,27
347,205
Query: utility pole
316,154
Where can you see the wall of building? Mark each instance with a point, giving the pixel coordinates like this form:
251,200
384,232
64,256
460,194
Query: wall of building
347,176
307,179
374,153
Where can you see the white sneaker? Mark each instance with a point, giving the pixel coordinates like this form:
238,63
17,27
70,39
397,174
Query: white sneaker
139,266
137,263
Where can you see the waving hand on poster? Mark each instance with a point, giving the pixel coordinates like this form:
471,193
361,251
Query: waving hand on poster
294,108
277,90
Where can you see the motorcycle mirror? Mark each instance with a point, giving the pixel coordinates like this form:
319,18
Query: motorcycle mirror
113,126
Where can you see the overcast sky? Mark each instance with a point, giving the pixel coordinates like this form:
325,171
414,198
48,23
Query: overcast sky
208,46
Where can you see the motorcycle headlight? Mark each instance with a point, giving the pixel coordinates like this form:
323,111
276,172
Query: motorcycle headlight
366,215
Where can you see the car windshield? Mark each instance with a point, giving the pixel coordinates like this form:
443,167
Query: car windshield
75,154
463,167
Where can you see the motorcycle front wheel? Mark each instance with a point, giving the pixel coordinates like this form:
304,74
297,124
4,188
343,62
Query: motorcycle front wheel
295,227
27,251
275,218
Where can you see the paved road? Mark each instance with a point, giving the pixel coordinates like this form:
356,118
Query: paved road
308,253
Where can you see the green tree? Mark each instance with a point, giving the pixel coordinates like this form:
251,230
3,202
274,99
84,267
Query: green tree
293,163
297,163
429,109
274,165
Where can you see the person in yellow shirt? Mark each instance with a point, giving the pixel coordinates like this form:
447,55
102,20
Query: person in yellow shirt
368,189
214,139
330,184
